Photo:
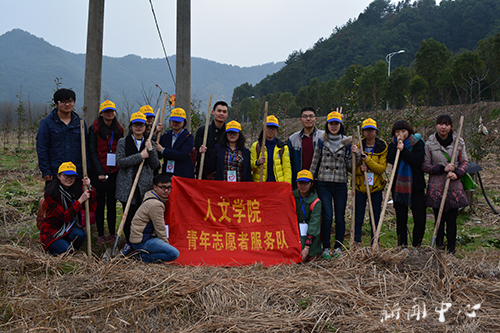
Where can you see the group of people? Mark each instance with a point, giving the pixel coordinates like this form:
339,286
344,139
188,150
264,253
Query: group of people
315,162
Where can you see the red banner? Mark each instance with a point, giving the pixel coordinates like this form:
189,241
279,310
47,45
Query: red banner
232,224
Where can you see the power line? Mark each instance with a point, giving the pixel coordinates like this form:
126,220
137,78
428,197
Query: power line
162,44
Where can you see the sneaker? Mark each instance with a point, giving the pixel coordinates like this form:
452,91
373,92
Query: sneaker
127,249
327,254
111,239
337,253
101,240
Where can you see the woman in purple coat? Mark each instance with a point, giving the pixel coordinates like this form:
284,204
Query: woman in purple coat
438,164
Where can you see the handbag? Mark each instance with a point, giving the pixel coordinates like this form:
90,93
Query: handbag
467,181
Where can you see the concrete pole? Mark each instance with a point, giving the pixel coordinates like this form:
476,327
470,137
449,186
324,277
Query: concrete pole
183,59
93,61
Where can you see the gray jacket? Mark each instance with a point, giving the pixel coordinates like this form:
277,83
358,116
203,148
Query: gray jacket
332,166
128,167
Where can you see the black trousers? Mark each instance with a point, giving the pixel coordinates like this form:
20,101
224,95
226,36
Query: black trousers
106,197
419,219
449,218
130,215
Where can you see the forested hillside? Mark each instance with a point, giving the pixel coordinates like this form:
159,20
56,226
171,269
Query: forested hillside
442,62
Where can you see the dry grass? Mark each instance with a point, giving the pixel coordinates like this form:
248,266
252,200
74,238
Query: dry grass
350,294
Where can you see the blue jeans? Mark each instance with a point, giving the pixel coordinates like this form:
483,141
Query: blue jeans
338,192
361,199
155,250
70,242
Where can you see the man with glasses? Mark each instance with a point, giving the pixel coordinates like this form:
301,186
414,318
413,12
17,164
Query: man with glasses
58,139
148,234
301,144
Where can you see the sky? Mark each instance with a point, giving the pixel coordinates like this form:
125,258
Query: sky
236,32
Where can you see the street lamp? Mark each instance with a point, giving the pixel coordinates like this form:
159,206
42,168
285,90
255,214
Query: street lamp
388,60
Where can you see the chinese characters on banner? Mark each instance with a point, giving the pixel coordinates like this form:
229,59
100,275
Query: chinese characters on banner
231,224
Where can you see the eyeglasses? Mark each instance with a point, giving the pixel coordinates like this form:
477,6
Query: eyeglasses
164,188
138,124
311,116
66,102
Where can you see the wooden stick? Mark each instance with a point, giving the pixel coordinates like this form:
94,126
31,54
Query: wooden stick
87,207
386,201
353,181
130,196
165,100
205,136
447,183
263,143
368,194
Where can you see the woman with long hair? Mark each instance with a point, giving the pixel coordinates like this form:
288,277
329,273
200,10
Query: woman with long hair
275,159
408,188
330,164
231,159
104,134
438,164
61,230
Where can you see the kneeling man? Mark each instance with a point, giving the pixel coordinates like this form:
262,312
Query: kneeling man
148,235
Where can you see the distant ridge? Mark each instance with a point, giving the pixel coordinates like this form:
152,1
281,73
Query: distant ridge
31,62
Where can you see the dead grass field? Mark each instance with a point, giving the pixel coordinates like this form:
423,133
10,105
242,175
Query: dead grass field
359,292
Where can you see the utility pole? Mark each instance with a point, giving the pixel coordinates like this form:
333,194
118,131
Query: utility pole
183,59
93,61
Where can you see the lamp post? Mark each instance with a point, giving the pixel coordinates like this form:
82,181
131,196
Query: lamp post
388,60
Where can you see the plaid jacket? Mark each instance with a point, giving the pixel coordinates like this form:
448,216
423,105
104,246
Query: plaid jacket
329,165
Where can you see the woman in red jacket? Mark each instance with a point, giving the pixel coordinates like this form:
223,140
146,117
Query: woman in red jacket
103,139
61,230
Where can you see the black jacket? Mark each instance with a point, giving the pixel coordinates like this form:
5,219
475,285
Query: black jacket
213,138
414,158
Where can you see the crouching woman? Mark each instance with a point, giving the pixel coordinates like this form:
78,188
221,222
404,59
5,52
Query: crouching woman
148,235
308,215
61,230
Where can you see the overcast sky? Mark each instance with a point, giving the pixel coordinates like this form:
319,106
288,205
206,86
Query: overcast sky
236,32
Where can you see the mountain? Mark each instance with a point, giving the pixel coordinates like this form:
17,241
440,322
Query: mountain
383,28
32,63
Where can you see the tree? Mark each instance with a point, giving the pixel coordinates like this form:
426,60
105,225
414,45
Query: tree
240,92
371,84
397,87
432,58
469,72
418,89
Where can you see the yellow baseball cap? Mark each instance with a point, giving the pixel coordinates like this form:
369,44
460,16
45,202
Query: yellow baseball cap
107,105
369,123
178,114
147,110
68,168
233,126
138,117
334,116
272,121
304,176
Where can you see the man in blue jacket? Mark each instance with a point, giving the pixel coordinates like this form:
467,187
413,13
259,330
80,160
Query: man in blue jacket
301,144
58,139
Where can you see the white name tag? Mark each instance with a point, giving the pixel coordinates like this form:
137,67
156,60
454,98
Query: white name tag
370,176
111,159
166,227
303,229
231,175
170,166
